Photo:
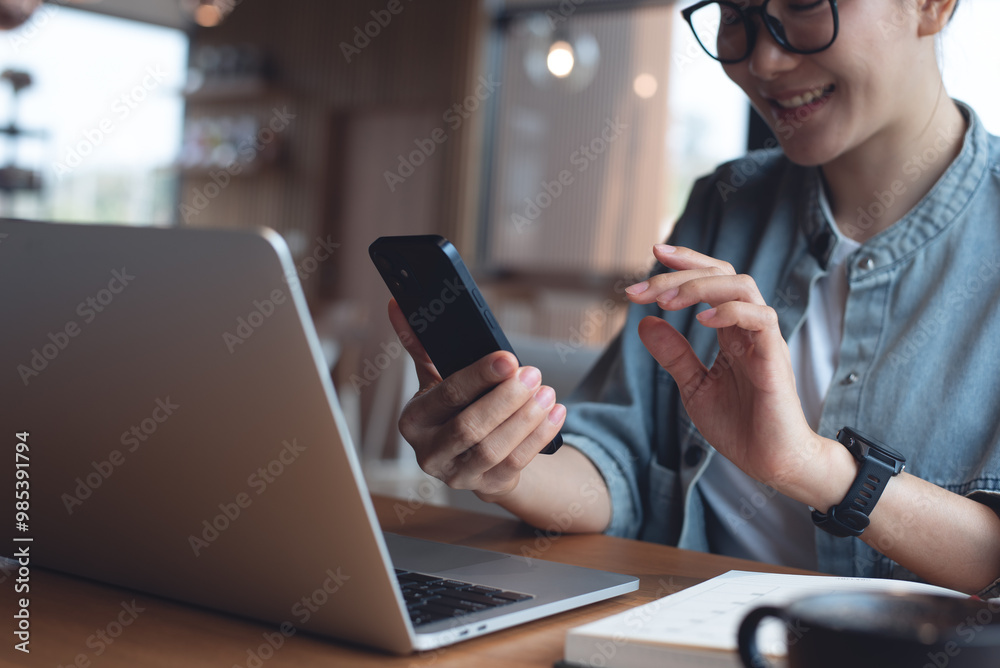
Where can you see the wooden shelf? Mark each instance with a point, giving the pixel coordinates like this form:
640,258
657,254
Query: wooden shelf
233,90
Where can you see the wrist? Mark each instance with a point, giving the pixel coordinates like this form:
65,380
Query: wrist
841,472
877,465
825,474
499,497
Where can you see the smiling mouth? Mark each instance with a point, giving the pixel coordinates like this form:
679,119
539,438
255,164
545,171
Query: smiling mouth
814,96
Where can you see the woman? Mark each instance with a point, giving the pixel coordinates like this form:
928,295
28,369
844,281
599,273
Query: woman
871,243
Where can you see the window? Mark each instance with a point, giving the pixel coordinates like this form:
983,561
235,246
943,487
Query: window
592,164
578,180
970,59
105,93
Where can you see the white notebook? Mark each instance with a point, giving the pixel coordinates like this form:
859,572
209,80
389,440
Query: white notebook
697,627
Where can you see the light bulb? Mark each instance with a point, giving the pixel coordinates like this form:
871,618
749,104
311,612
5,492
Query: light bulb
645,86
560,60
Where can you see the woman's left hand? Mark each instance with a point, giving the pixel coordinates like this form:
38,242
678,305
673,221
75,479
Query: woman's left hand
746,405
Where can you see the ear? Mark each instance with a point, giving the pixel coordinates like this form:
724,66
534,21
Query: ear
933,15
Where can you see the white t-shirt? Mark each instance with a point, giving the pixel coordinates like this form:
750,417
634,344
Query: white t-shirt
746,518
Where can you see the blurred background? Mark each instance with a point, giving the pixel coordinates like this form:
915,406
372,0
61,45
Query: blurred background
552,142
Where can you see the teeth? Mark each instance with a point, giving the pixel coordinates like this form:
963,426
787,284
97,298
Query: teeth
805,98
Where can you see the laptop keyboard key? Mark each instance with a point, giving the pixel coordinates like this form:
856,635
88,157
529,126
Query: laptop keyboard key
512,596
418,578
458,603
430,599
455,584
473,597
488,591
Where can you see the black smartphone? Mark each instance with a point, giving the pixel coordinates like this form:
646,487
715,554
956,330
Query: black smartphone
436,293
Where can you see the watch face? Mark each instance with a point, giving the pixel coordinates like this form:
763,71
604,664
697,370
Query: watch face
862,447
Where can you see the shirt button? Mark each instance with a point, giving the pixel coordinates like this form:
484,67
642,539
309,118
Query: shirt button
693,455
850,379
866,263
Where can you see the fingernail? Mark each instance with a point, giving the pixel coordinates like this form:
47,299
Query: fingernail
503,366
665,249
667,296
545,396
557,413
706,315
530,376
638,288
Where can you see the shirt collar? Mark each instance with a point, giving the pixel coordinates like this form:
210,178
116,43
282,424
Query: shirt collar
938,209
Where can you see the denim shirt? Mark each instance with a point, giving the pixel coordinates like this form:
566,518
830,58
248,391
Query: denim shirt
919,364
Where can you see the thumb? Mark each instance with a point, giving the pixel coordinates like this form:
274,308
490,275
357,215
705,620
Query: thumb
674,353
427,373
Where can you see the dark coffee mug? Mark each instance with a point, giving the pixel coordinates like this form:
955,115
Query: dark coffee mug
880,629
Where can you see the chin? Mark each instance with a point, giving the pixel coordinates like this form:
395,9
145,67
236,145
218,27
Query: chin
806,156
809,149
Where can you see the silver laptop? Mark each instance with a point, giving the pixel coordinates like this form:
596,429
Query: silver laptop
184,439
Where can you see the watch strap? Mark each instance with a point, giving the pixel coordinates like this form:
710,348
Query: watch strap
850,517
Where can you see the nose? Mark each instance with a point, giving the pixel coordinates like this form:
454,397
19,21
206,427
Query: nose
768,59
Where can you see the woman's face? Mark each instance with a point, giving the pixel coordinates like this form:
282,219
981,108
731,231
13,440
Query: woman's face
878,81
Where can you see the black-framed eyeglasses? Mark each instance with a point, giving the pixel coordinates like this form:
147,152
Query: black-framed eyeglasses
728,30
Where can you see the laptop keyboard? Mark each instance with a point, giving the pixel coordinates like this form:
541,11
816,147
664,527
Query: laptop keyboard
430,598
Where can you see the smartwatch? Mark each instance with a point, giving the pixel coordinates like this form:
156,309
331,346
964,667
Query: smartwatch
878,463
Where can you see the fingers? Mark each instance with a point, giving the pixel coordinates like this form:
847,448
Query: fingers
441,401
682,289
759,323
486,433
697,279
750,317
680,258
492,466
480,440
476,422
427,373
480,426
674,354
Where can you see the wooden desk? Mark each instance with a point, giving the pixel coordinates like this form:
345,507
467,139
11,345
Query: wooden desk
67,612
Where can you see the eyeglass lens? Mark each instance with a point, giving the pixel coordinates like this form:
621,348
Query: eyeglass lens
803,26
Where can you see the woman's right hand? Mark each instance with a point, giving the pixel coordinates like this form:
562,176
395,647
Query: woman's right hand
478,428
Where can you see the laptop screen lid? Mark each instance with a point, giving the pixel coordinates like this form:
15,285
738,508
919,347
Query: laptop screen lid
181,435
186,439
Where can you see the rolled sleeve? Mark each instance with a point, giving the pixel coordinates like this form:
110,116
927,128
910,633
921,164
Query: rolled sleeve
610,420
626,510
991,499
993,591
988,497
